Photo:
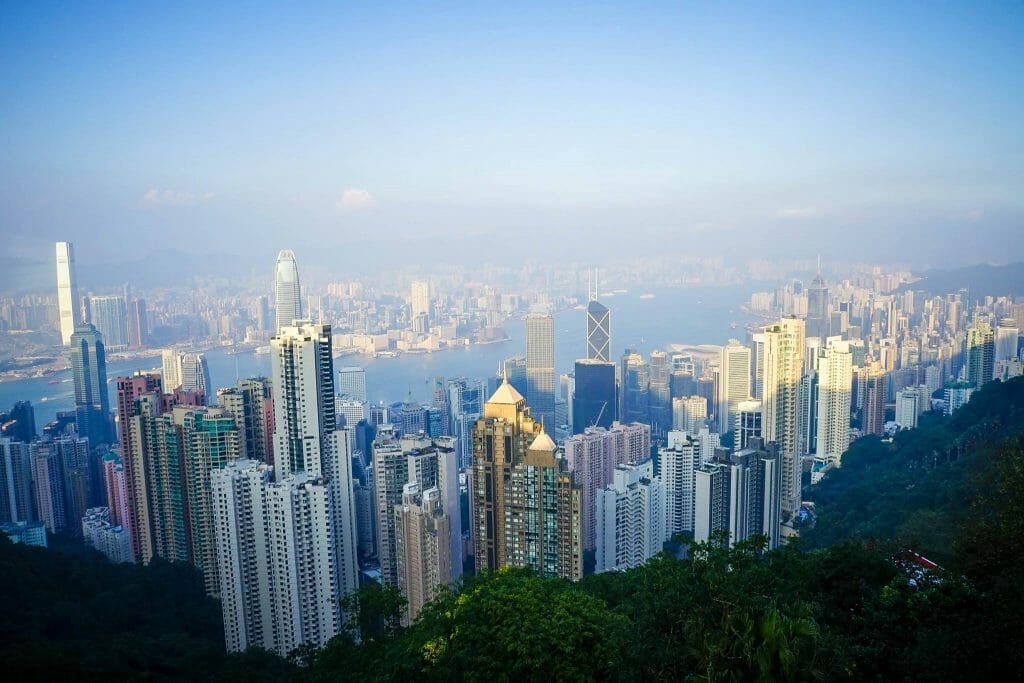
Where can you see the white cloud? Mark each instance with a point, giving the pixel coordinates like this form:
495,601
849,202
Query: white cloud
798,212
353,199
156,197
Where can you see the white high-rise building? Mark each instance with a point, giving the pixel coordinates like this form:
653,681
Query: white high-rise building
195,374
67,291
419,298
279,586
733,382
109,315
781,419
630,516
306,438
1006,335
170,375
287,291
689,413
748,423
908,406
835,383
352,383
677,464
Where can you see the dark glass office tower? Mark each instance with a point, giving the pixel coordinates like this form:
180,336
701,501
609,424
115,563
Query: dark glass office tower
594,403
89,369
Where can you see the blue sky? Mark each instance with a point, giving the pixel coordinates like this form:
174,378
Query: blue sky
885,129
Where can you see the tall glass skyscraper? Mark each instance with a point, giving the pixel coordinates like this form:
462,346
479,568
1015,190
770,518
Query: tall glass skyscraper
67,291
594,403
287,292
540,367
110,316
89,370
599,331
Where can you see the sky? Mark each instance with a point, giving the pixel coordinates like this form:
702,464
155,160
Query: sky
360,134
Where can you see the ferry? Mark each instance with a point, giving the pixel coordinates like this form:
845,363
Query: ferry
646,296
54,381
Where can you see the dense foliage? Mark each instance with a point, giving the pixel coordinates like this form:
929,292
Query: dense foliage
843,603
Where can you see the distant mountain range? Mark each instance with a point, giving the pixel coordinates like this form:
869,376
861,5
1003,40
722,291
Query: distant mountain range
979,280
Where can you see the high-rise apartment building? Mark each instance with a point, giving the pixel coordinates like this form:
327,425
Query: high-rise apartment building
739,493
908,406
251,405
68,305
592,458
136,522
89,373
689,413
979,353
835,382
287,291
48,486
279,585
677,464
748,423
510,452
109,314
733,382
873,410
306,438
781,420
423,536
540,367
109,539
630,518
15,482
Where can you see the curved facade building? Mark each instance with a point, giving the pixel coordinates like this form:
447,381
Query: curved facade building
287,293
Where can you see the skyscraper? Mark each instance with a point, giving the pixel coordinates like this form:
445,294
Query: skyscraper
306,438
733,382
279,584
67,291
540,367
170,370
980,353
630,518
599,331
48,486
689,413
545,534
419,298
748,423
109,314
659,395
136,522
210,440
422,539
195,374
781,422
676,467
636,380
819,316
89,372
15,482
873,411
835,380
251,405
738,493
593,403
287,292
352,382
138,326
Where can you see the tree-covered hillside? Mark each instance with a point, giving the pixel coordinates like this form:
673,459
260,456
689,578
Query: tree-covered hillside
843,603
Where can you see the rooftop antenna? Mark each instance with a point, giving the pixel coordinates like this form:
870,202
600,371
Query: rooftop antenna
819,265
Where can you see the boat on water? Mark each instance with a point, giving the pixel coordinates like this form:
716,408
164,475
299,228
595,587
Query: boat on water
54,381
646,296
